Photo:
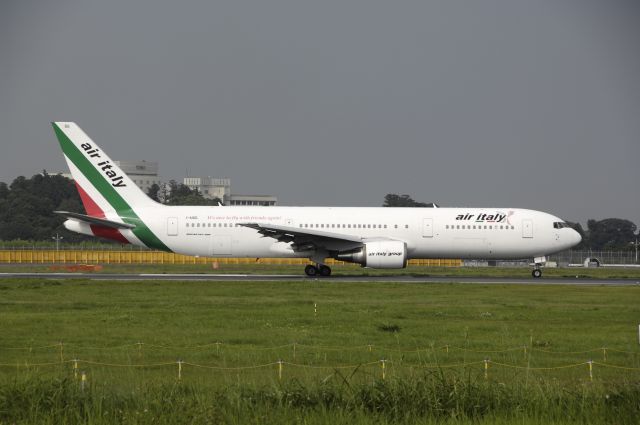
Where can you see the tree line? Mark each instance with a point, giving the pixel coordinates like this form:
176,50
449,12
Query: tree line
27,205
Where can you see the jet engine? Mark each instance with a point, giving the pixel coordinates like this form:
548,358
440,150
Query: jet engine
377,255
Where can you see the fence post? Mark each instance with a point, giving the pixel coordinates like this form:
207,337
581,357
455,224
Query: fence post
75,369
590,370
486,368
179,370
280,366
604,354
383,363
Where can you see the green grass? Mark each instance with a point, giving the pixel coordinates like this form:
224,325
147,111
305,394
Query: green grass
332,337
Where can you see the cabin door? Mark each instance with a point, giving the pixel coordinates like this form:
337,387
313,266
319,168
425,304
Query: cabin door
527,228
172,226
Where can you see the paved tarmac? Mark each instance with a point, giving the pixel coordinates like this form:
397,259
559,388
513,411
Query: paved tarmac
336,278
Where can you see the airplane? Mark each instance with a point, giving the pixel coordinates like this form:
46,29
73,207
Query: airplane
381,237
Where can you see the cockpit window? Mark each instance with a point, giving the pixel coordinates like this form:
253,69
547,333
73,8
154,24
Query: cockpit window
560,225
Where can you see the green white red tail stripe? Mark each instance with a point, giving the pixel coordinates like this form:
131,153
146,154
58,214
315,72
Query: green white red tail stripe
109,192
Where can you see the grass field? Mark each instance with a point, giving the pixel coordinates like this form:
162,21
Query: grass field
313,352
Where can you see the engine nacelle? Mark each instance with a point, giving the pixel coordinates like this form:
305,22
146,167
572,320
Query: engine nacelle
378,255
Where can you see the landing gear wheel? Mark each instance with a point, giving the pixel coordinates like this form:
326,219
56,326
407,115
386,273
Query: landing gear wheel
537,273
311,270
325,270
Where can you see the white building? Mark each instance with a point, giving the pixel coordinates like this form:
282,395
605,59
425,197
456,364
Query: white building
143,173
263,200
212,188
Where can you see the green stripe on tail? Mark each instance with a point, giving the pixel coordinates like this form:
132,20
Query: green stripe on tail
118,203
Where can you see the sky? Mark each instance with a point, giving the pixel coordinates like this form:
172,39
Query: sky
513,103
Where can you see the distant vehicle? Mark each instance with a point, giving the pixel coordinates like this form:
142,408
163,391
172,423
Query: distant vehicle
382,238
591,262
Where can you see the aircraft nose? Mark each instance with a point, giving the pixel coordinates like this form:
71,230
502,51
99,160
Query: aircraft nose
575,238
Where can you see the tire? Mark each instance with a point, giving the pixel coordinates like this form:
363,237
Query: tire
325,270
536,273
311,270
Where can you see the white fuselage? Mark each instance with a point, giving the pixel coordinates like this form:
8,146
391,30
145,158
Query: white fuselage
481,233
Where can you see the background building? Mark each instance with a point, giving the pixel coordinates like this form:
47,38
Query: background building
210,187
262,200
143,173
220,188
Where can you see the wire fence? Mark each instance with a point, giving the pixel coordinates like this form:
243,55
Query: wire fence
380,358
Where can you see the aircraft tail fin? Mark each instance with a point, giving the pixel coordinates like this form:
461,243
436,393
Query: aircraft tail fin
102,185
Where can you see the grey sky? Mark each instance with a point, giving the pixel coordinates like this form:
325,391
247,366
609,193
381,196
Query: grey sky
532,104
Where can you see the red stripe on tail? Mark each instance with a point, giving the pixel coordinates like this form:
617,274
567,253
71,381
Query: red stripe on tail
90,206
94,210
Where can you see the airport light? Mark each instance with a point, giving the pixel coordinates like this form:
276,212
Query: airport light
57,238
635,244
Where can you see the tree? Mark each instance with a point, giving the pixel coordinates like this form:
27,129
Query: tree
154,192
181,194
610,233
394,200
27,205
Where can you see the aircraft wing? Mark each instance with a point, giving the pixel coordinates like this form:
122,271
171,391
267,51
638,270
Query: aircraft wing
95,220
303,239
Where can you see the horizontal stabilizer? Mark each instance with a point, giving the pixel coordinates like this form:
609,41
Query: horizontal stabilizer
95,220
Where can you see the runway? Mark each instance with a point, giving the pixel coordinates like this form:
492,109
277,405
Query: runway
302,278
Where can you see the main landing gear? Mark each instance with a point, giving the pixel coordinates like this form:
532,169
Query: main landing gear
321,270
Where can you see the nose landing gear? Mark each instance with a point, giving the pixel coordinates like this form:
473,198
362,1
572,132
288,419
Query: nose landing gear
538,262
